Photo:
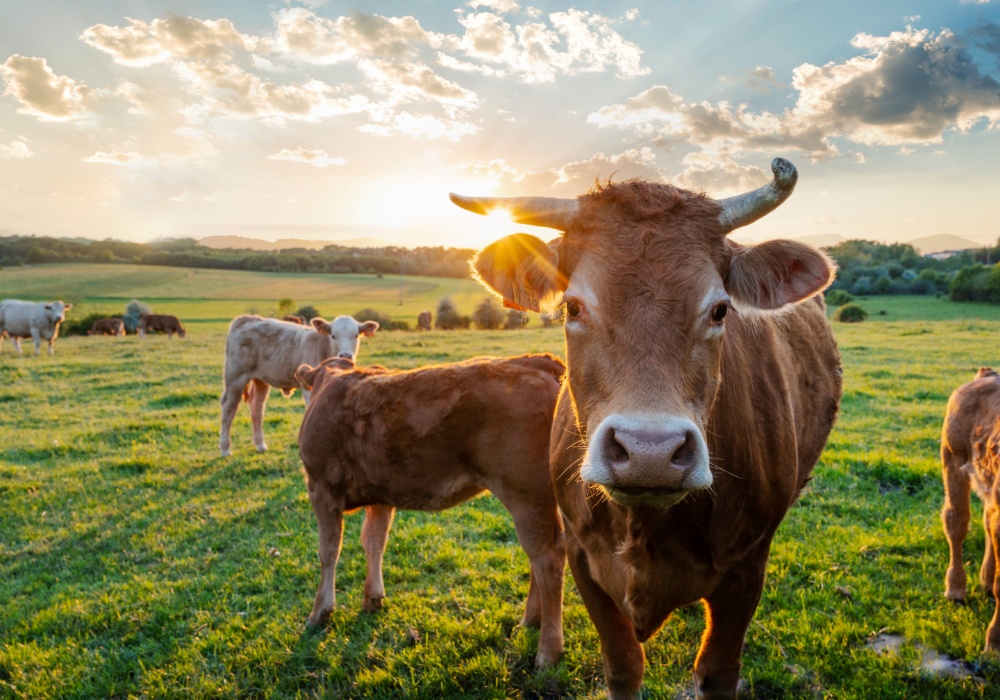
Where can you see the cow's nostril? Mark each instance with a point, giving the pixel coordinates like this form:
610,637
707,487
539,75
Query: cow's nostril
615,453
686,452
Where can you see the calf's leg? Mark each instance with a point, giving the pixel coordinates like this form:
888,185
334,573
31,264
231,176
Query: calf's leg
374,534
37,338
987,572
955,519
258,398
329,512
231,397
620,648
993,535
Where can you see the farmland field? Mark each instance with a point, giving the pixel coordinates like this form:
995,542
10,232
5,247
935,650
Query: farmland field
135,562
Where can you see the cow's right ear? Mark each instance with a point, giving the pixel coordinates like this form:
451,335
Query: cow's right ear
305,375
522,269
321,326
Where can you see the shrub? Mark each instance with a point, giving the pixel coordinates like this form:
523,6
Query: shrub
285,307
447,314
308,312
384,321
80,326
850,313
862,286
838,297
514,320
551,318
132,312
488,315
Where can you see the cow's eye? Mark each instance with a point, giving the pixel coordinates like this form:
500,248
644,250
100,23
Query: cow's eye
573,308
719,312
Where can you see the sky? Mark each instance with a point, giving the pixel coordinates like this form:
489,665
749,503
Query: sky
147,119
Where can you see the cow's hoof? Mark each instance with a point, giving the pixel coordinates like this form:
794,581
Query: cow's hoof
545,659
373,604
225,452
262,448
955,594
319,618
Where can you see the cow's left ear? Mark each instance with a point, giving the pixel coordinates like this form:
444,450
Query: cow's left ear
772,274
522,269
368,328
67,306
321,326
305,375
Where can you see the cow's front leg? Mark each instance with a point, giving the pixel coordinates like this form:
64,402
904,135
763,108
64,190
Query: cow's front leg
374,534
329,512
988,571
730,608
232,394
993,535
955,519
257,400
620,648
36,337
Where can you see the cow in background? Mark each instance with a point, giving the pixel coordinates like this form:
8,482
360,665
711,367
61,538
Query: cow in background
32,319
970,456
424,321
292,318
107,326
265,352
690,418
160,323
429,439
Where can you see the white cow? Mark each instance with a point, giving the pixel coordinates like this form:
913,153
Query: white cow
265,352
37,319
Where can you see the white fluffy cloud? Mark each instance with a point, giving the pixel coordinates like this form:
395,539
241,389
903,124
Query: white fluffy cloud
41,92
114,157
15,150
905,89
317,158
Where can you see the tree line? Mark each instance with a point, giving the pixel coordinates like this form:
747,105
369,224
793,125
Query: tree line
187,252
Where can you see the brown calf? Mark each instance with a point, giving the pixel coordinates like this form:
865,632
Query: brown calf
160,323
970,455
691,416
424,321
107,326
429,439
292,318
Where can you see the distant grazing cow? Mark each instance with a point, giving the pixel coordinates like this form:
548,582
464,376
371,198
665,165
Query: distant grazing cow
429,439
292,318
970,453
424,321
108,326
691,417
265,352
162,323
31,319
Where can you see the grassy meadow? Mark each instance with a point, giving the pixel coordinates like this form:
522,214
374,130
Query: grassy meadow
135,562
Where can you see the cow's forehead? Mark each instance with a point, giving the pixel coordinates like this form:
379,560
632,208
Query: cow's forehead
345,325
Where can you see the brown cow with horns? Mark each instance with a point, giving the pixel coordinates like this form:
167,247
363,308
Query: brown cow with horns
691,417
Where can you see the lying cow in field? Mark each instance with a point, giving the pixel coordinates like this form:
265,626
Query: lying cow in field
429,439
160,323
970,454
691,417
107,326
292,318
31,319
265,352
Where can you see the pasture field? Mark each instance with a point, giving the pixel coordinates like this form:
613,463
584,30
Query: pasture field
135,562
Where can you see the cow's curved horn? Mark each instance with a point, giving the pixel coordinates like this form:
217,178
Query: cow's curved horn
746,208
550,212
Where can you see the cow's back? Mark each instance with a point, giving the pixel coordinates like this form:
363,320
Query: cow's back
974,405
271,350
16,315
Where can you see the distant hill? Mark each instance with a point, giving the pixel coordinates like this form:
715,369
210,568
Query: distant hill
941,242
283,243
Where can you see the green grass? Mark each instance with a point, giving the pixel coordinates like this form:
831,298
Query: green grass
134,562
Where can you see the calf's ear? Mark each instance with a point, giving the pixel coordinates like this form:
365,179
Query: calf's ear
772,274
321,326
523,270
368,328
304,375
67,306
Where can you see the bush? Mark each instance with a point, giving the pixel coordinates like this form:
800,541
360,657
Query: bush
514,320
850,313
132,312
285,307
838,297
384,321
551,318
862,286
308,312
80,326
448,318
976,283
488,316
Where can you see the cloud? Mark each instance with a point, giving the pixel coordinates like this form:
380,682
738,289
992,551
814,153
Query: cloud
185,38
905,89
318,158
762,79
41,92
576,42
402,81
115,157
15,150
501,6
388,122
